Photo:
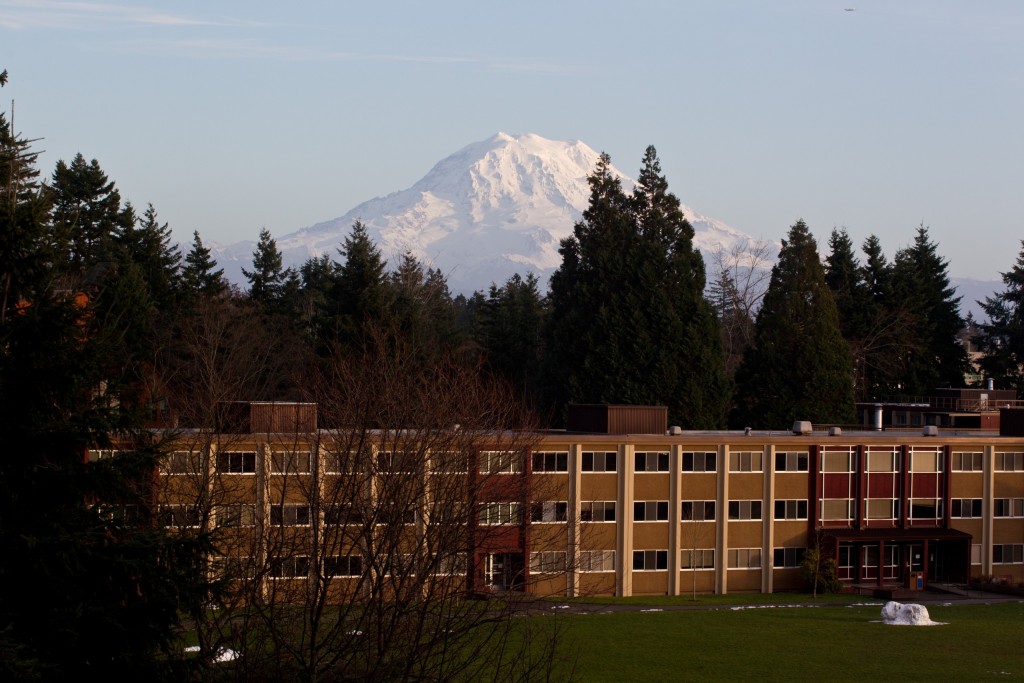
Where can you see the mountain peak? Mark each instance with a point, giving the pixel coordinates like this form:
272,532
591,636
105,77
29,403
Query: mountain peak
493,208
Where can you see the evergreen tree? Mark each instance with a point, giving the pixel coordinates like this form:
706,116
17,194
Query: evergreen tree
90,587
24,226
86,214
148,244
511,320
920,280
629,323
1001,339
854,304
358,294
198,276
269,281
799,367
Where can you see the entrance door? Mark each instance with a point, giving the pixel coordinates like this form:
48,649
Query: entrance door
504,571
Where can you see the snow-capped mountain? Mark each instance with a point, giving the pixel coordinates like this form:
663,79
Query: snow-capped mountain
491,209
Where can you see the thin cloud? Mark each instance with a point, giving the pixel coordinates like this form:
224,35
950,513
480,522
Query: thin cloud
47,14
253,49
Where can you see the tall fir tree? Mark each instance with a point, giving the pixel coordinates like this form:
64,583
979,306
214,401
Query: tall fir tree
200,276
88,589
149,245
799,367
358,294
935,357
1001,338
86,214
629,320
854,304
510,324
269,279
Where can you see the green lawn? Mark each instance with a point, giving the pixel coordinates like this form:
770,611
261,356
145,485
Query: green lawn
978,642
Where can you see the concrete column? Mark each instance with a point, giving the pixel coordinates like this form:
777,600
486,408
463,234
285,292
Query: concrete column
674,517
987,507
575,476
768,521
722,525
624,542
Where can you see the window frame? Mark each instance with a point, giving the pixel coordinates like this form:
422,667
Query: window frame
659,558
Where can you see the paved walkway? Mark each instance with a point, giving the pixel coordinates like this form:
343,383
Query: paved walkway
974,597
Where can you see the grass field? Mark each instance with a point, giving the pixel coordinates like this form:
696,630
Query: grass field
831,642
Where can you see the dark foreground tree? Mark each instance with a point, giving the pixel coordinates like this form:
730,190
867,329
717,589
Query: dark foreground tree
799,367
89,587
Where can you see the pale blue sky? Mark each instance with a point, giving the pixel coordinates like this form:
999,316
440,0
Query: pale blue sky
230,116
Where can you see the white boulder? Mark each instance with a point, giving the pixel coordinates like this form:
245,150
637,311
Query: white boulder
898,614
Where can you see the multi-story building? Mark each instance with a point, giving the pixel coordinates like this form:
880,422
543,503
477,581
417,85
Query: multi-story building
619,504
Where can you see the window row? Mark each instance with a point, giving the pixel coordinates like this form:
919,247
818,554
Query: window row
1008,553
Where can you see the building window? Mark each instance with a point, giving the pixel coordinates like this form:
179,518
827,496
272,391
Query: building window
926,508
881,508
290,462
289,515
551,462
745,461
650,511
233,567
700,462
342,513
1007,553
343,565
236,463
398,461
976,553
500,462
744,510
698,511
597,560
791,509
180,516
786,558
965,508
547,562
598,461
967,462
451,462
345,462
101,454
836,509
395,514
451,565
183,462
791,461
883,460
500,513
838,461
650,560
1009,462
744,558
291,567
697,558
926,460
235,515
548,511
597,511
650,461
1008,507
